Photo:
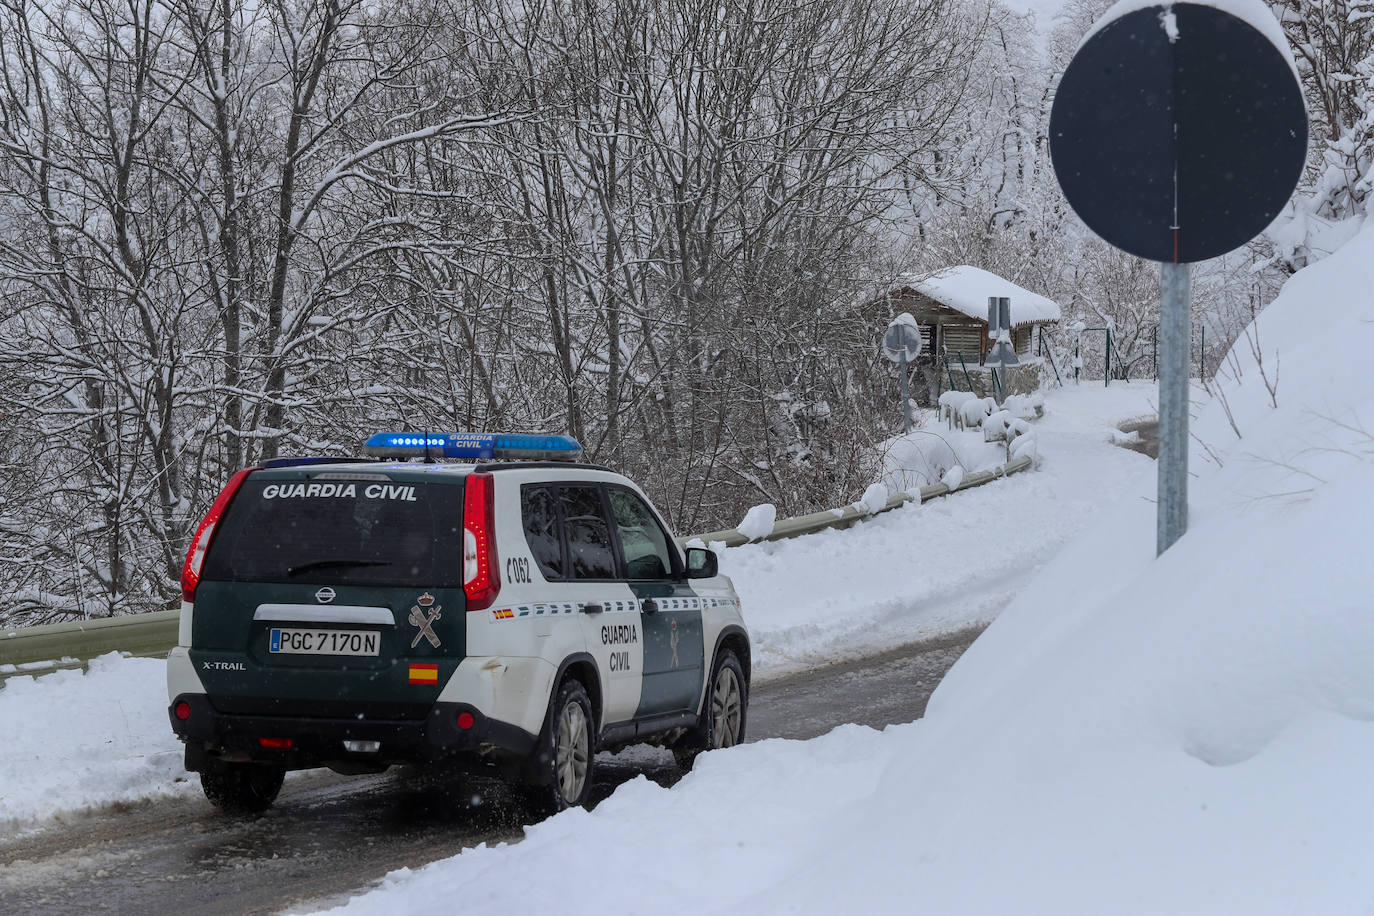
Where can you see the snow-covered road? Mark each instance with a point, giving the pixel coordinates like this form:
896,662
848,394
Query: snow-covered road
923,570
902,577
329,834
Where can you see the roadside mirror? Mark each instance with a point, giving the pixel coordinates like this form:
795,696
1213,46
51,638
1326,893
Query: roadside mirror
701,563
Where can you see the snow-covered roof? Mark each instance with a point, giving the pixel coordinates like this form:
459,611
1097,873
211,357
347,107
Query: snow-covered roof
966,289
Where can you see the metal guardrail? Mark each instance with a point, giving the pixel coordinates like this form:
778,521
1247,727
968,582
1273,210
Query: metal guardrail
38,650
41,649
843,518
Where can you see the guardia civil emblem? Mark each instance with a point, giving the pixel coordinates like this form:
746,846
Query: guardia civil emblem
425,622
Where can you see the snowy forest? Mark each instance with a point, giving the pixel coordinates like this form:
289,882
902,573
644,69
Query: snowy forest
232,230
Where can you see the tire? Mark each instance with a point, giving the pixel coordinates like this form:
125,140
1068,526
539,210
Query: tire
243,788
724,713
563,765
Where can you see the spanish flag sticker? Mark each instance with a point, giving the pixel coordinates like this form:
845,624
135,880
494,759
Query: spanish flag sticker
424,674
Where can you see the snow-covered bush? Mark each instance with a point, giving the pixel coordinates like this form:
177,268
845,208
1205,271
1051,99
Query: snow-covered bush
951,402
1025,406
974,411
1025,446
995,426
925,456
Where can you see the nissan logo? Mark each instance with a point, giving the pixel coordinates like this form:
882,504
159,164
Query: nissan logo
325,595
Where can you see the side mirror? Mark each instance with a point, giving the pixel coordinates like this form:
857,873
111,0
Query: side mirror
702,563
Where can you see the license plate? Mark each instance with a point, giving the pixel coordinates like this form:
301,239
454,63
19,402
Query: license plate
324,642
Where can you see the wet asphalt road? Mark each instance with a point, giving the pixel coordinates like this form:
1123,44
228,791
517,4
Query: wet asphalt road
329,835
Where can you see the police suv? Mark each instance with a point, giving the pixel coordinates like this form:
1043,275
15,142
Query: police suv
518,612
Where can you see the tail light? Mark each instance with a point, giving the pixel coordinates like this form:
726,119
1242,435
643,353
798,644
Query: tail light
275,744
195,555
481,572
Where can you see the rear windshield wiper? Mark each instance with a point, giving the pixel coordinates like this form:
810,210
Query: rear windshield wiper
327,564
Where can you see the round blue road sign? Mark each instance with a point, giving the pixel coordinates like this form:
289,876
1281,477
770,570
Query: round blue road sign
1178,132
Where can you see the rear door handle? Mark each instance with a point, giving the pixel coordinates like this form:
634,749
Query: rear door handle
593,608
650,606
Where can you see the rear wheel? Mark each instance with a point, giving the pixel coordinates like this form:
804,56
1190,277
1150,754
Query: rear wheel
722,721
564,764
243,788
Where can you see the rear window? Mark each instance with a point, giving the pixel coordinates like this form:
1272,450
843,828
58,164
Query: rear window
340,532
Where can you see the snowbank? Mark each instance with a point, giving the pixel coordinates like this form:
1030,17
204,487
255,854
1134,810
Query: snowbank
920,571
74,739
1196,727
1132,735
926,454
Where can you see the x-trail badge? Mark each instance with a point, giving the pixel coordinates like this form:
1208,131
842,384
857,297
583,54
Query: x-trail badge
325,595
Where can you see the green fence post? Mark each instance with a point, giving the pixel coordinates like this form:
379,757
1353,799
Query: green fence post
1202,355
1107,355
965,368
1057,380
1121,361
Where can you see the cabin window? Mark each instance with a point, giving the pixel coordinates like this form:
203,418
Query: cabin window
1021,339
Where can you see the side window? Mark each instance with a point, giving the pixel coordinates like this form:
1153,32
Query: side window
589,537
539,510
642,539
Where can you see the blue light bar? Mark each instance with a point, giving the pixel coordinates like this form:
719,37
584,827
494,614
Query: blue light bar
475,446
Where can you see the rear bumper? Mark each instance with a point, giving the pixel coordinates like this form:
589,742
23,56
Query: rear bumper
299,742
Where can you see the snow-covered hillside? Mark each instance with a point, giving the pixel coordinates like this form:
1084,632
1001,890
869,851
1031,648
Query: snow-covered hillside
1133,735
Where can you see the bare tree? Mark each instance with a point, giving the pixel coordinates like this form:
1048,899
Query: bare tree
236,229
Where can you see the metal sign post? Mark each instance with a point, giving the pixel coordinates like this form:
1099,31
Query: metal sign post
1166,151
901,343
906,399
1175,293
1001,354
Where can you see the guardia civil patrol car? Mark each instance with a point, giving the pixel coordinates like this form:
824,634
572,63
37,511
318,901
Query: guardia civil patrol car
514,610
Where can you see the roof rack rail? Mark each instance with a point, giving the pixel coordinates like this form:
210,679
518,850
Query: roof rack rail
271,463
485,466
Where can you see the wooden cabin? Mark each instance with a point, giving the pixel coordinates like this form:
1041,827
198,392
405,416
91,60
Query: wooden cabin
951,306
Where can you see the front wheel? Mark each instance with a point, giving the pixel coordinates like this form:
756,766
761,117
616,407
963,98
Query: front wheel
564,763
723,718
243,788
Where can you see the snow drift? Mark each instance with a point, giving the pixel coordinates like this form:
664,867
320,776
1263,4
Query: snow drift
1183,734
